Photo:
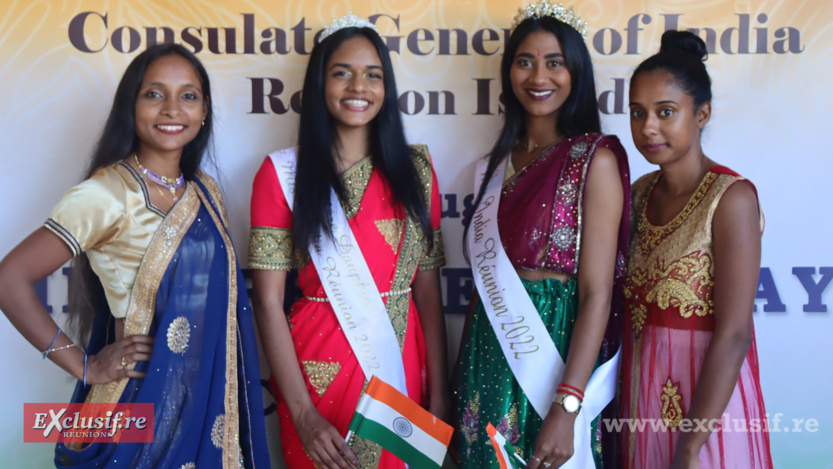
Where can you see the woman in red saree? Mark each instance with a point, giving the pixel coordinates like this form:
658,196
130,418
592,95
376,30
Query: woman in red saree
390,197
690,363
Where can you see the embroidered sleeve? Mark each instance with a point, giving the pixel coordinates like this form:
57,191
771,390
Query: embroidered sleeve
90,213
270,248
270,241
434,258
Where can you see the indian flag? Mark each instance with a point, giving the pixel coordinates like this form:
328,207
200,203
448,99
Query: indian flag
506,455
389,418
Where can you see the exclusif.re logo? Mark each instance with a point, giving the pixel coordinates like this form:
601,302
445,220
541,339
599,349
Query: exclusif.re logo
88,423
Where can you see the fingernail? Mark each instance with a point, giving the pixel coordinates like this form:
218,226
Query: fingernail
356,463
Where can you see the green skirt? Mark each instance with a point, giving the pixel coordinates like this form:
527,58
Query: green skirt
487,389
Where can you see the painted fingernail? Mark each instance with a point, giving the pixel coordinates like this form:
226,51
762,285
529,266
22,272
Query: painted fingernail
356,463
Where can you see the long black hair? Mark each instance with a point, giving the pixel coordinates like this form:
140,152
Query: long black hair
316,170
119,140
682,55
579,114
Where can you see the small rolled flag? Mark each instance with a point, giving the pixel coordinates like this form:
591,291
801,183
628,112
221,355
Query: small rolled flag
506,455
392,420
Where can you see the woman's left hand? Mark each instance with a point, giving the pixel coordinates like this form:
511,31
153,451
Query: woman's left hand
554,445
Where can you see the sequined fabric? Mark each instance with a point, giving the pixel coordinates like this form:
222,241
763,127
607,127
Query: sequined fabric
488,392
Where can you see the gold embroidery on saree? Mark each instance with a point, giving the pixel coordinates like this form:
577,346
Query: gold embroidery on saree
142,306
355,180
672,412
321,374
651,236
270,248
218,431
215,193
231,439
435,257
179,333
391,230
413,248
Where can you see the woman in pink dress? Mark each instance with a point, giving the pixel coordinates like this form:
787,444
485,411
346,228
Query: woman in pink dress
690,371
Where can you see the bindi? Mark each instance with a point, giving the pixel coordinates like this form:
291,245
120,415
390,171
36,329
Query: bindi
539,52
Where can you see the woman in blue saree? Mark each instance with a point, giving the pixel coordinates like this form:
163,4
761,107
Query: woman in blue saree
156,291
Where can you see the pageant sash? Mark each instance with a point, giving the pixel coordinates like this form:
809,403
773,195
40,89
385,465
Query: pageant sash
350,287
523,337
526,344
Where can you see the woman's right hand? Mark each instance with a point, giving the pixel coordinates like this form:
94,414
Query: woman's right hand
322,442
109,364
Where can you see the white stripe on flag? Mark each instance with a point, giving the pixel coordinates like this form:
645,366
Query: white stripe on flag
384,415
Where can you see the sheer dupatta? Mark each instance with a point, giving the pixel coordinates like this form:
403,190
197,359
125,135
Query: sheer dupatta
203,376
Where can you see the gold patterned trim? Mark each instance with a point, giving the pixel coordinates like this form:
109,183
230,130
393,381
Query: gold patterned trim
367,452
270,248
179,333
215,193
231,439
435,258
672,412
651,235
142,307
411,251
391,230
321,374
355,180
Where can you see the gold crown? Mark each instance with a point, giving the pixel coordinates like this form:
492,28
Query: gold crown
546,8
348,21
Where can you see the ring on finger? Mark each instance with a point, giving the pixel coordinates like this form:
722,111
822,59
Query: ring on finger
536,458
123,362
546,464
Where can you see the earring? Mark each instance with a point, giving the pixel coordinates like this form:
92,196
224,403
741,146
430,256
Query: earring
203,123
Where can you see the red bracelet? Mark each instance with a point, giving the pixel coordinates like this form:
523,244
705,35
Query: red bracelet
571,392
567,389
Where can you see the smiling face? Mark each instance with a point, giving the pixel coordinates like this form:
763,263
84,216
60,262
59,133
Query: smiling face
354,84
540,78
665,124
170,106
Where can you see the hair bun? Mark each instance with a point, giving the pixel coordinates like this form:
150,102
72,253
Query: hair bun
683,41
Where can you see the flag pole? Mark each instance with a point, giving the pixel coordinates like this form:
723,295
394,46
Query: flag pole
519,459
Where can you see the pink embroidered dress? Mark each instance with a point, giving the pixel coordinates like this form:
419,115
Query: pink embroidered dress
669,323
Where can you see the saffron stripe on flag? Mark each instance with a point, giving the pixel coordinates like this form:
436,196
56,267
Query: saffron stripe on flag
436,428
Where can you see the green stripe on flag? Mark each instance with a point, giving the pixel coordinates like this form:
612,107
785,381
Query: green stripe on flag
510,455
392,442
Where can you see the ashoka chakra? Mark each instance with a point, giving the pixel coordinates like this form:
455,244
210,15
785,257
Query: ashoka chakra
402,427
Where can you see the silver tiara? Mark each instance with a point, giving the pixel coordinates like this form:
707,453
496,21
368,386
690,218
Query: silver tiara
349,21
546,8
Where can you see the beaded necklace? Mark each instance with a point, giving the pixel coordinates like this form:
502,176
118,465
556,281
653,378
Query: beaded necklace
171,184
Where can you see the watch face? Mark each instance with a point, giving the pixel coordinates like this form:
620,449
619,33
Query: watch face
571,403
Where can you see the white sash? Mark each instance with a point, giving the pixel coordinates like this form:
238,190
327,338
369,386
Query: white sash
350,287
523,337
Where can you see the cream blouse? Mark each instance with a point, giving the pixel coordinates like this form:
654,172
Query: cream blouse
109,216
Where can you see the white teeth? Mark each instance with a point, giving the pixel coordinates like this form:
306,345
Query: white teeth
539,94
170,128
356,102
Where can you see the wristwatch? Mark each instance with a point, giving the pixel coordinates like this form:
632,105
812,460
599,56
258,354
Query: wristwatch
570,403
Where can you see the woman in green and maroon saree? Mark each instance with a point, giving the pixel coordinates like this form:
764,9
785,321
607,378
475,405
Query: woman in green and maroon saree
562,190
